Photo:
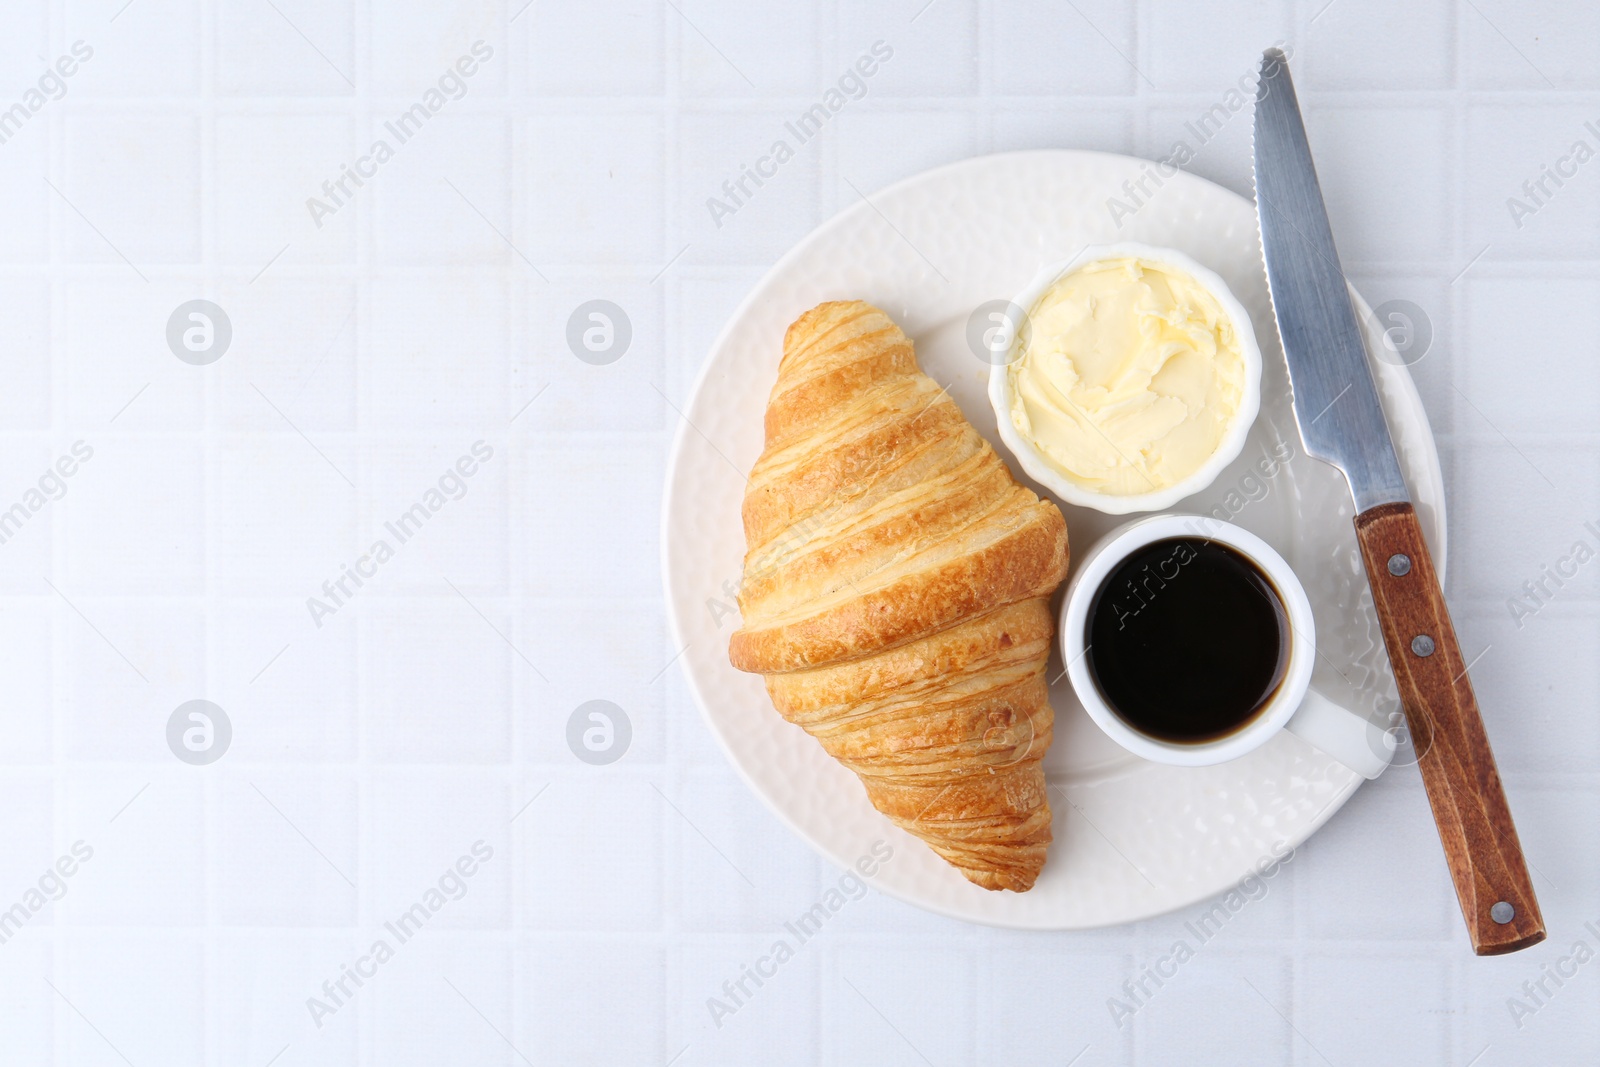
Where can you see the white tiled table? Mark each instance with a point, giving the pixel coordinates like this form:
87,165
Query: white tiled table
429,711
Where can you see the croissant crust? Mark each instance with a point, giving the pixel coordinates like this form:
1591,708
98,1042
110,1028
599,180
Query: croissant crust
896,594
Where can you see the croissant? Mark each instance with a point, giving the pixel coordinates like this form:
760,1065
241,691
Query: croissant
896,594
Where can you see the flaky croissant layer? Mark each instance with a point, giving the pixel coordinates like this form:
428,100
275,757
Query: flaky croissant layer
896,594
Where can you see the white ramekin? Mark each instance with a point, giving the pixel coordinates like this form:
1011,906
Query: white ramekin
1007,349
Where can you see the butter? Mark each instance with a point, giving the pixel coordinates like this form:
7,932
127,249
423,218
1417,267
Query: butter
1130,377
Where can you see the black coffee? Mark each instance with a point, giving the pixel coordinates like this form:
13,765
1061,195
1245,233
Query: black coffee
1188,640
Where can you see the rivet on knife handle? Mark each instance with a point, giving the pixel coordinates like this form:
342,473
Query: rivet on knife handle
1469,804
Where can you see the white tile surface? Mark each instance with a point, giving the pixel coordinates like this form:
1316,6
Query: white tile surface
419,225
556,1020
1527,46
110,344
146,834
571,826
268,876
28,541
1365,1013
1371,44
570,631
1075,48
1043,1006
1361,149
106,977
593,49
1550,311
290,690
276,531
552,555
450,836
592,188
409,49
712,149
430,710
1207,47
584,398
28,1004
157,49
1024,128
880,994
126,663
459,993
934,56
267,166
880,148
733,49
253,1021
158,154
261,50
23,167
1521,205
437,683
143,531
30,34
775,1024
418,370
1180,1021
27,727
304,363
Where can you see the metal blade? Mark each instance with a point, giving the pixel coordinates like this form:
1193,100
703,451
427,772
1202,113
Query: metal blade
1335,401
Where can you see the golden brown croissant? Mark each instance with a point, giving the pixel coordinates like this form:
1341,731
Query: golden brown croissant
895,594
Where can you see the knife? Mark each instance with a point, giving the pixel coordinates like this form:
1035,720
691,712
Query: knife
1336,406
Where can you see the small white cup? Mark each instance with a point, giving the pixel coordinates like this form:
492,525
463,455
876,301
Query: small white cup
1339,732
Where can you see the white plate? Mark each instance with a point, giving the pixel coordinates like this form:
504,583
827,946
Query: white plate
1137,839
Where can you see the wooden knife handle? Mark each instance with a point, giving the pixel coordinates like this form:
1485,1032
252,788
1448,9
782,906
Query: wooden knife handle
1480,841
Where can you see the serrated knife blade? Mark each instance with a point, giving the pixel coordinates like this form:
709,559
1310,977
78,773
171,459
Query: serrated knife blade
1341,421
1335,401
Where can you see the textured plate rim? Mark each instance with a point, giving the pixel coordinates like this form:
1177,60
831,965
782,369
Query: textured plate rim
1395,375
